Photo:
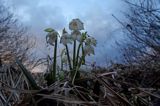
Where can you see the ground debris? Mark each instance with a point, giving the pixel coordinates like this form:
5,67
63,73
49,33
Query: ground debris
118,85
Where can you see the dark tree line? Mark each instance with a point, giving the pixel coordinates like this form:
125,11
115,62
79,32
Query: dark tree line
14,40
143,31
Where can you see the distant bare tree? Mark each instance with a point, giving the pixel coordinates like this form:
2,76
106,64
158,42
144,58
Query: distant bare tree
14,41
143,30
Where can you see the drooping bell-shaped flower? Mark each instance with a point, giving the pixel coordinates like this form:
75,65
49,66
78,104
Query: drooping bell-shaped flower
88,49
66,38
76,35
51,37
76,24
64,58
91,41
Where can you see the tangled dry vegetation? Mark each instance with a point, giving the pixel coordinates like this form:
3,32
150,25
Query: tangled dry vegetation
118,85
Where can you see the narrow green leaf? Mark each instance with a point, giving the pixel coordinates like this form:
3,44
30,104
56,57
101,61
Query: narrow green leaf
28,75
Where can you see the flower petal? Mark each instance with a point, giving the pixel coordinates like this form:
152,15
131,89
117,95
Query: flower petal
91,41
76,24
51,37
64,59
88,50
65,39
76,35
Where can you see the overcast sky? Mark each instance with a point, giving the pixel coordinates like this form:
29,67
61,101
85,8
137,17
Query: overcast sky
95,14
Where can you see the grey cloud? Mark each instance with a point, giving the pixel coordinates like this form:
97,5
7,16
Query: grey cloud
95,14
40,16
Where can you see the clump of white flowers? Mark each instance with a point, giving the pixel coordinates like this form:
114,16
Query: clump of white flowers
85,46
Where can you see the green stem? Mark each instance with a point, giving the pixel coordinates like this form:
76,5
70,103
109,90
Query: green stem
54,62
78,54
61,65
80,62
69,61
77,68
74,53
82,58
74,57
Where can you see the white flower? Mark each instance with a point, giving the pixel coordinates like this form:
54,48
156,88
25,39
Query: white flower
51,37
81,37
76,35
91,41
88,49
64,58
76,24
65,39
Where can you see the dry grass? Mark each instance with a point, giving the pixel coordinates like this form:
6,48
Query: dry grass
116,86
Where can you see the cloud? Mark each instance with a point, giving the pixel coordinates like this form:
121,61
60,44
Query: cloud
100,24
39,13
96,15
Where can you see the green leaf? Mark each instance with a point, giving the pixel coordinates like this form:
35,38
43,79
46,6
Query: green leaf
49,30
28,75
84,36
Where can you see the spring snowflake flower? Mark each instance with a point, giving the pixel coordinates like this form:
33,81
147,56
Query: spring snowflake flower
76,35
88,49
76,24
51,37
64,58
66,38
91,41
